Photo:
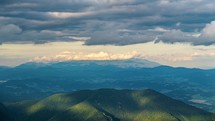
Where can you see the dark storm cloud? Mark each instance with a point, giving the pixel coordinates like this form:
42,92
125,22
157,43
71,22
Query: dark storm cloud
116,22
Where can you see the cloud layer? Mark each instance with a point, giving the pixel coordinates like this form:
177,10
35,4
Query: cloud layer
101,22
69,56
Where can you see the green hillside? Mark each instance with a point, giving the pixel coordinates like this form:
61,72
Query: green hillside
108,105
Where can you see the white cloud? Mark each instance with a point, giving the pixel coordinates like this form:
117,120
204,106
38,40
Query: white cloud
68,56
208,54
209,30
78,38
159,29
64,15
178,24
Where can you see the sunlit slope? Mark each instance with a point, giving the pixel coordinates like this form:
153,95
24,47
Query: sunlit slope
116,105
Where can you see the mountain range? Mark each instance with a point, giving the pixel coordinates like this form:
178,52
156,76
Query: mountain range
33,81
104,105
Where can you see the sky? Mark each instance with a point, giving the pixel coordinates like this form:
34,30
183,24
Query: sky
170,32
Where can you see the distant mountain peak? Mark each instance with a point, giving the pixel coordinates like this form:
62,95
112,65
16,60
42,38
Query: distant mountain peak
32,65
140,62
136,62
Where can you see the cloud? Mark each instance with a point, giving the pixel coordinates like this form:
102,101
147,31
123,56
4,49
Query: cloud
205,37
173,58
117,38
14,34
21,5
174,36
208,34
209,54
170,57
181,57
10,29
68,56
64,15
101,20
115,34
159,29
209,29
